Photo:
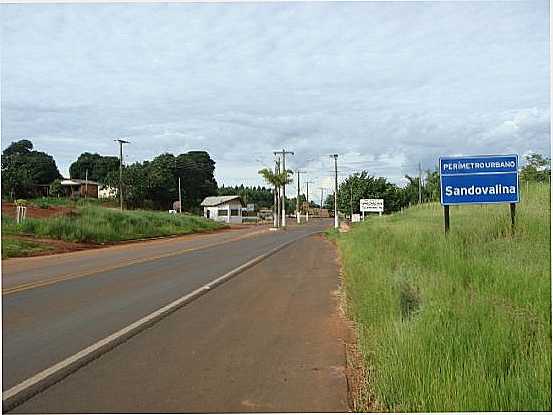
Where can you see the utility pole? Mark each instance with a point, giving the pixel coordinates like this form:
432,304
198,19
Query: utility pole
420,184
298,218
322,190
283,152
307,199
180,198
335,157
121,142
276,209
351,201
86,184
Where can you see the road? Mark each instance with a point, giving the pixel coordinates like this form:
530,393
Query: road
210,355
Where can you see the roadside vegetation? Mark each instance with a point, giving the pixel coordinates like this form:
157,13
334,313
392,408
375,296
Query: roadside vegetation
99,225
456,323
13,247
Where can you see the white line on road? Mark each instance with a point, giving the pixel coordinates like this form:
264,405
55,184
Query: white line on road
21,392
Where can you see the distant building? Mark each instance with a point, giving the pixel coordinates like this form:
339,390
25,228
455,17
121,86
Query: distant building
223,208
107,192
80,188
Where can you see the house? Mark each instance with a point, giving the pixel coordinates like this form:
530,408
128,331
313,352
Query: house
80,188
107,192
223,208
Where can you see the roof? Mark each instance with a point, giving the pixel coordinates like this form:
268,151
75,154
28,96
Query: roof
219,200
74,182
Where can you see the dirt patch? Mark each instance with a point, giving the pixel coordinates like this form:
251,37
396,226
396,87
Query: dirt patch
56,246
33,212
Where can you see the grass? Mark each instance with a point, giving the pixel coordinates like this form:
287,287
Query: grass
461,323
45,202
16,247
99,225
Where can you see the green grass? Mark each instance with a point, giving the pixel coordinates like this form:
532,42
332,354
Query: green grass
96,224
45,202
461,323
17,247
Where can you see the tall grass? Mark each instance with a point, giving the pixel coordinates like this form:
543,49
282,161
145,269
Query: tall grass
96,224
457,323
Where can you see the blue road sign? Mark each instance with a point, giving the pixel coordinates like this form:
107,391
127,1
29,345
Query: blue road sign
479,179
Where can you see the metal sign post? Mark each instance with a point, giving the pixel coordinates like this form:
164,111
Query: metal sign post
479,180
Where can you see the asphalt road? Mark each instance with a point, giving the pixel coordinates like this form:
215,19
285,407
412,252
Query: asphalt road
45,323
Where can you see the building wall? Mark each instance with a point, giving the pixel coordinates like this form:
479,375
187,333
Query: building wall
234,206
91,190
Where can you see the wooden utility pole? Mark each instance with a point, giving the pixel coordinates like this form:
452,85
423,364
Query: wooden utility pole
298,214
420,184
86,184
276,221
307,199
351,201
121,142
336,222
180,198
321,207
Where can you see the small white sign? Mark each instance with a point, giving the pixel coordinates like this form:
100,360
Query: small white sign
371,205
356,217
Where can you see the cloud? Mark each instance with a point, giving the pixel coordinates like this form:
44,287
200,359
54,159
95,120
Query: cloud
385,85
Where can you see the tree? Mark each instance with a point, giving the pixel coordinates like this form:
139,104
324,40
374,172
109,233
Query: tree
23,168
277,179
537,168
262,197
98,167
56,189
154,184
363,186
19,147
196,170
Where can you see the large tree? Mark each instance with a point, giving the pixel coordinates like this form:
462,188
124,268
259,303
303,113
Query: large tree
99,167
363,186
537,168
196,170
23,168
154,184
262,197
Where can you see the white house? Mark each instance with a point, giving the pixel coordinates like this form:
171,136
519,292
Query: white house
107,192
223,208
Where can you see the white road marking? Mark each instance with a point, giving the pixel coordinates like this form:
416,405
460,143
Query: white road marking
42,380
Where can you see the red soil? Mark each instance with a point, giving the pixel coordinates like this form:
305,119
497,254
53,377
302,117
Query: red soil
9,209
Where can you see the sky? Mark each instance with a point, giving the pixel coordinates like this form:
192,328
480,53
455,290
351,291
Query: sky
386,85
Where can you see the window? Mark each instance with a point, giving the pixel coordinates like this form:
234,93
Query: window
234,212
222,212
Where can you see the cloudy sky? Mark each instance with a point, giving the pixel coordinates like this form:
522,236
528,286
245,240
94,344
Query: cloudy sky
383,84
